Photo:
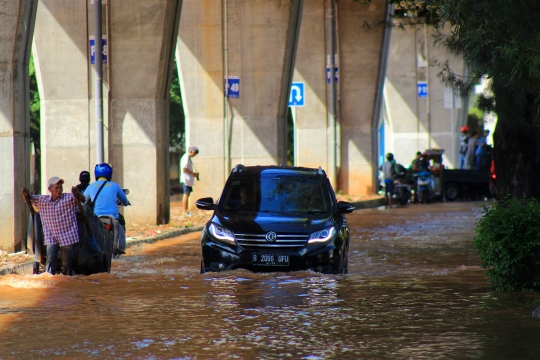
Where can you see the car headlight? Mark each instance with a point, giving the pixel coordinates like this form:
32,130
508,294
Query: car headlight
322,235
221,234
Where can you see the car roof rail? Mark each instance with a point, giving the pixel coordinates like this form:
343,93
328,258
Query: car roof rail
320,171
238,168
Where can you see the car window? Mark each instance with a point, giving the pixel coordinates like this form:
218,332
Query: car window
278,194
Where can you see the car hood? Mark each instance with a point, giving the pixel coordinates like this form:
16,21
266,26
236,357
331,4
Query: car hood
264,222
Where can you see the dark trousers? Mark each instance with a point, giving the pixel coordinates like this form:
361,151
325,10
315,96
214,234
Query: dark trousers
122,221
52,258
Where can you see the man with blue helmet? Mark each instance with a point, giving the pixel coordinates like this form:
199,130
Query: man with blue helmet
104,193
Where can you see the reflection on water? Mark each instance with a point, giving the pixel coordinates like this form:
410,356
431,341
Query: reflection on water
415,290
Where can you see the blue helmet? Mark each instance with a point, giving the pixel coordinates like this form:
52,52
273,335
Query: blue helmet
103,170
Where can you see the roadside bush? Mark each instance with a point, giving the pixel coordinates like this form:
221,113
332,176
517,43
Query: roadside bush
508,241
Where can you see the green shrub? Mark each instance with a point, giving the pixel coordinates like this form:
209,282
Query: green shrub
508,240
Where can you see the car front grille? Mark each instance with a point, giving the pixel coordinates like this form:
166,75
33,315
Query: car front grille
290,242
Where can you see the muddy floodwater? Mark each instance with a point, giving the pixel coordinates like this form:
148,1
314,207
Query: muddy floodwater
415,290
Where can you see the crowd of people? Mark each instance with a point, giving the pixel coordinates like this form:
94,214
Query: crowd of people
475,153
474,150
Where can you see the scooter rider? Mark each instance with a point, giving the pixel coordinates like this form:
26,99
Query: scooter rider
109,193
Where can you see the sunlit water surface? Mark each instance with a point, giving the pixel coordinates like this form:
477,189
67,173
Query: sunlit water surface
415,291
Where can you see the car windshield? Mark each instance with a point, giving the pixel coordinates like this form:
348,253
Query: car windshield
278,194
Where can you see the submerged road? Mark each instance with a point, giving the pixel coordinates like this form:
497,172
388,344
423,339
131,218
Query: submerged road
414,291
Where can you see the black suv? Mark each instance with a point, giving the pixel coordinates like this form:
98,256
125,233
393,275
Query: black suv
276,218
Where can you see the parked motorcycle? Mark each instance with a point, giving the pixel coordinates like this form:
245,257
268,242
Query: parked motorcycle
403,186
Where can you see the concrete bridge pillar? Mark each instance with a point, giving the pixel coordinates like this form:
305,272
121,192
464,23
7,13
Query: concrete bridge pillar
361,59
141,38
360,52
63,73
16,29
413,123
200,61
255,41
312,128
142,43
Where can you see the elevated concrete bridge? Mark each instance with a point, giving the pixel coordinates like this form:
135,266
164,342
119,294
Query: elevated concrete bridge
266,44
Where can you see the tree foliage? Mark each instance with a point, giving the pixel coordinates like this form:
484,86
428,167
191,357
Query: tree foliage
35,111
499,39
176,114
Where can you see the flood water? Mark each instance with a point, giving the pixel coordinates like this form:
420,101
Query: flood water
414,291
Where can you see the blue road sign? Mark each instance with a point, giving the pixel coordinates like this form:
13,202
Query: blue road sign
93,49
297,96
336,74
422,89
234,87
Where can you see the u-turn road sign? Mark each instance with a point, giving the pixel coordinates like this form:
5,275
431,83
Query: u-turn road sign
297,96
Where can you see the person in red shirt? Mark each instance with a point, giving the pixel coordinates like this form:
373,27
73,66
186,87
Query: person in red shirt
57,212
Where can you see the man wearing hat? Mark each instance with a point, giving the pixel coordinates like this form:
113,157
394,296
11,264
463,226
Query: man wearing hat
188,175
57,212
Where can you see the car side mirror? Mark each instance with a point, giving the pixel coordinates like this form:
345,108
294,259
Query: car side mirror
205,204
344,207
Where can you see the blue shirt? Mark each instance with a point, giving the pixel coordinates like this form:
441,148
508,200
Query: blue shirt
481,148
106,201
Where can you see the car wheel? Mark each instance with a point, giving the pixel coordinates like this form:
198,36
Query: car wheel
203,269
106,264
341,266
452,192
345,261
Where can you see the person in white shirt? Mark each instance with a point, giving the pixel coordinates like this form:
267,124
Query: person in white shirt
188,175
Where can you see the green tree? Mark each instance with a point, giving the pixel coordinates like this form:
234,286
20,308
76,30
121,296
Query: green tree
176,114
35,108
499,39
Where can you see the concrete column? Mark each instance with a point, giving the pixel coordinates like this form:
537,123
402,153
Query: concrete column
404,135
360,35
311,139
63,73
254,40
141,48
16,29
414,57
199,56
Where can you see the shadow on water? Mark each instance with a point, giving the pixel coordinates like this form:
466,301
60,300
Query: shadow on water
415,290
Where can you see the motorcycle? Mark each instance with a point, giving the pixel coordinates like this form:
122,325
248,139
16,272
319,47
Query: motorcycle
403,187
118,233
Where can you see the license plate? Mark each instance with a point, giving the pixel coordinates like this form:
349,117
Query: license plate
270,259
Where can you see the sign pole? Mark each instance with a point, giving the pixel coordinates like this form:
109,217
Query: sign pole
452,127
98,69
